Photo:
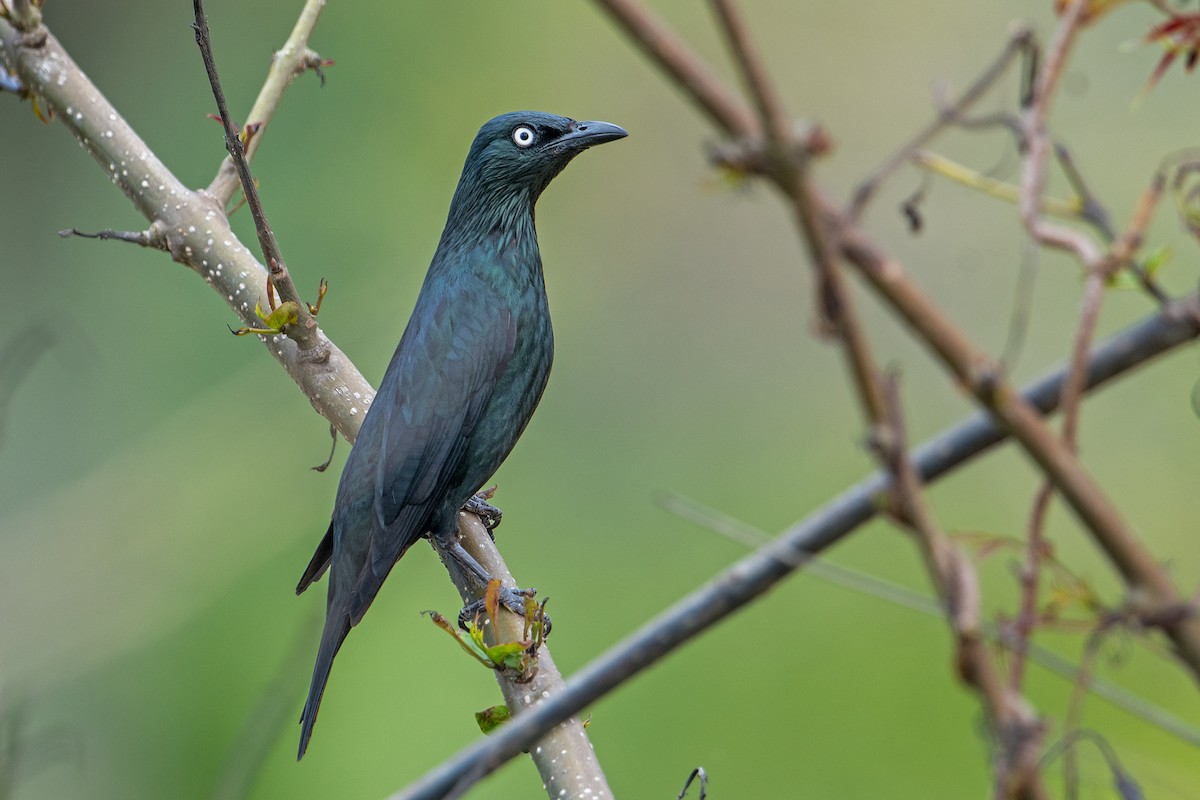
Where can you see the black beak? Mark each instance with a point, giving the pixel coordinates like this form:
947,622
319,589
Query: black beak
588,133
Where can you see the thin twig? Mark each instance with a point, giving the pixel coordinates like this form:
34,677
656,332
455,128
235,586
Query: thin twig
1098,275
1029,578
198,236
1123,783
1037,145
755,574
287,63
1091,210
873,586
681,63
773,117
789,165
1140,569
151,238
1019,42
1091,651
304,330
1013,725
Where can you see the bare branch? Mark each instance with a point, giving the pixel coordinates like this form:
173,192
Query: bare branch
904,597
197,234
773,117
687,69
755,574
287,63
154,239
1091,504
788,164
304,330
1013,724
1019,41
1037,145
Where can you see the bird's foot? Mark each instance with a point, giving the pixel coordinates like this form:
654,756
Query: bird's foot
480,507
518,601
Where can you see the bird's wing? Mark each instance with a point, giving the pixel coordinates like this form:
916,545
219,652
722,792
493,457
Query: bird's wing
436,387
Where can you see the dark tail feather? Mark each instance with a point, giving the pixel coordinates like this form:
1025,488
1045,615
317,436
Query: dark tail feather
337,625
319,563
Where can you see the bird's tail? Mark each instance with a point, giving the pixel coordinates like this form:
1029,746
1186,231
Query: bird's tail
337,626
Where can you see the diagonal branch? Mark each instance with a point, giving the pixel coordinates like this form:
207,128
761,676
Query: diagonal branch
287,63
196,233
1037,145
772,115
683,66
1012,723
788,164
1152,590
753,575
1019,42
304,330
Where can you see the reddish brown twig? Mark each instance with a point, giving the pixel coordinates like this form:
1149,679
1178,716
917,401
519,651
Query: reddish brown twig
974,370
1013,724
291,60
1020,42
304,330
683,66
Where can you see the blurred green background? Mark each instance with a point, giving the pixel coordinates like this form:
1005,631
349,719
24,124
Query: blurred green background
156,502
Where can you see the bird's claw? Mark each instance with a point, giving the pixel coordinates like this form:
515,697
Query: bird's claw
518,601
479,506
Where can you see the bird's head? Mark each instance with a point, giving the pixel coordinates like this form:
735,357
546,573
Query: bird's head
521,152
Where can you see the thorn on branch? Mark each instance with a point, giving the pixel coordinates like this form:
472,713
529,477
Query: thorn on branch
911,207
312,61
697,774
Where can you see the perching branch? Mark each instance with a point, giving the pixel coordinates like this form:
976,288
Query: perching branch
196,233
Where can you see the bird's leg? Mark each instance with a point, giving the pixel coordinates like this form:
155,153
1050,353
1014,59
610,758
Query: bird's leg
512,599
479,506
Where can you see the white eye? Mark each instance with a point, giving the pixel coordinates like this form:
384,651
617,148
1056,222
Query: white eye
523,136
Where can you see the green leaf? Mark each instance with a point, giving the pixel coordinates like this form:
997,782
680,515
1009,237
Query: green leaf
509,654
491,718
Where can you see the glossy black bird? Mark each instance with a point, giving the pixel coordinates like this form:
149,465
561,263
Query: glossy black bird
464,379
